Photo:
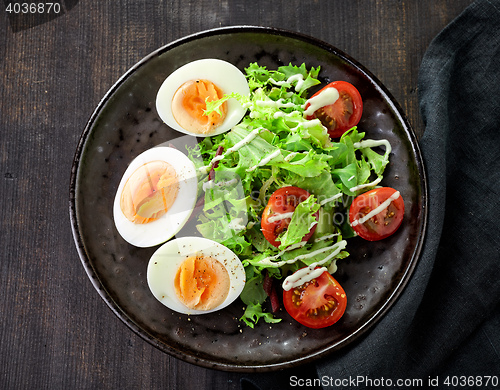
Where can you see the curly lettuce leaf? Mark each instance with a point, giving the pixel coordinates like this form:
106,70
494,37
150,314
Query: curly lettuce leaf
253,313
253,296
301,223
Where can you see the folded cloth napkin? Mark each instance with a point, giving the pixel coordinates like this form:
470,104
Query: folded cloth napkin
445,327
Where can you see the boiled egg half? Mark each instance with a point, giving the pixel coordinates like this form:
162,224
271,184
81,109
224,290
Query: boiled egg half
195,275
155,197
181,99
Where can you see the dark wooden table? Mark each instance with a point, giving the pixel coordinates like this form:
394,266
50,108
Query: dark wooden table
57,333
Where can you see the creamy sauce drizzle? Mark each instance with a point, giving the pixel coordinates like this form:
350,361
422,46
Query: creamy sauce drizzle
300,81
281,114
280,103
326,237
308,273
361,186
371,143
296,246
265,160
312,123
377,210
234,148
280,217
324,98
338,247
297,77
302,276
275,82
328,200
236,224
290,156
211,184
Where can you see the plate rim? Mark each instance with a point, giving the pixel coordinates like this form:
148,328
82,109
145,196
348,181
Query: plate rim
169,349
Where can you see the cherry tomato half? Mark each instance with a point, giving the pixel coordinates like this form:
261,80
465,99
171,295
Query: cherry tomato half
384,215
318,303
282,201
344,113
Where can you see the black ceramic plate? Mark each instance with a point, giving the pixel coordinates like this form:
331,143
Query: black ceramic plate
126,123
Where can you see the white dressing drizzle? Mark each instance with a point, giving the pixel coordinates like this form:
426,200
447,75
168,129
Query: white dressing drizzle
302,276
370,184
377,210
300,81
265,160
296,77
280,217
309,273
324,98
312,123
234,148
236,224
371,143
278,83
326,237
211,184
331,199
268,260
290,156
338,247
280,103
281,114
296,246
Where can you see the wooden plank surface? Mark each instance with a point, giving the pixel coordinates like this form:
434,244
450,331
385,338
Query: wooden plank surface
56,332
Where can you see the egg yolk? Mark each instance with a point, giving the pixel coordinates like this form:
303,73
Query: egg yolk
189,103
201,283
149,192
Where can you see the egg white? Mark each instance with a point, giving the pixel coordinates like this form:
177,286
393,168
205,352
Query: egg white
165,227
165,262
224,75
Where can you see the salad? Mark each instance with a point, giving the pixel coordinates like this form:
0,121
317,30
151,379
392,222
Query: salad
288,186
